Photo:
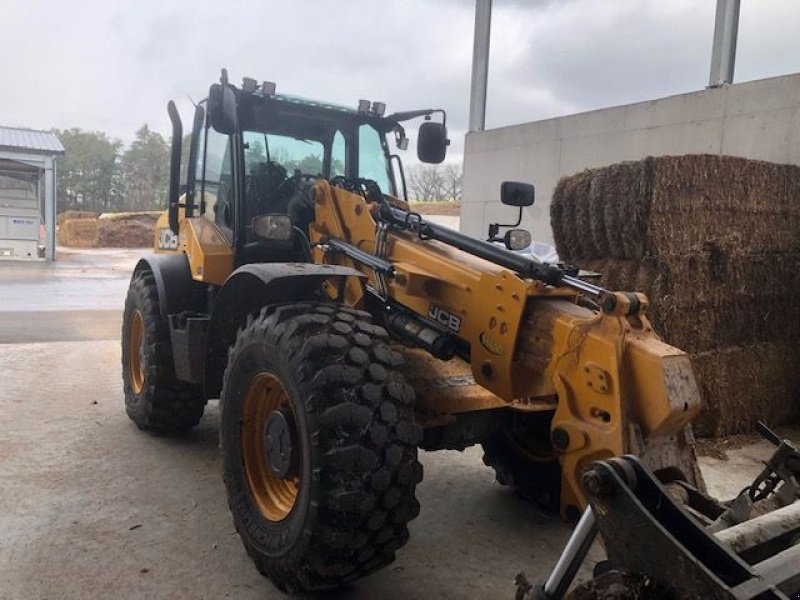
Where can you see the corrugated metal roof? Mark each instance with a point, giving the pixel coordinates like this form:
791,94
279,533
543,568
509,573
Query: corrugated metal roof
39,142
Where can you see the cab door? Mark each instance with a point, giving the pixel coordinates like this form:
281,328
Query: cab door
207,233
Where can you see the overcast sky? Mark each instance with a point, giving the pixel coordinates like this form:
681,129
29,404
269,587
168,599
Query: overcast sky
112,65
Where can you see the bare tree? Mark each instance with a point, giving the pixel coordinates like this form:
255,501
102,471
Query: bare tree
426,183
453,173
436,183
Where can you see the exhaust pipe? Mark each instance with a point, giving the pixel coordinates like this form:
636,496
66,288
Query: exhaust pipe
174,166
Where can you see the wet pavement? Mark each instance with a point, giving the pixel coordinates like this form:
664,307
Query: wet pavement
78,297
80,279
90,507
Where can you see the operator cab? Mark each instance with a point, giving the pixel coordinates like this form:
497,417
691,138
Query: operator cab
255,156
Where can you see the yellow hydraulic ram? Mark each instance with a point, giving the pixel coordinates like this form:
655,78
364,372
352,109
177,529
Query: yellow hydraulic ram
612,386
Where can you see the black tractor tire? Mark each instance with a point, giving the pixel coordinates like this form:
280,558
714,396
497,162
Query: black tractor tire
354,445
534,475
154,398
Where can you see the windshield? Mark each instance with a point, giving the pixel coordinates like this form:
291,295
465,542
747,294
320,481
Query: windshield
290,153
288,145
315,138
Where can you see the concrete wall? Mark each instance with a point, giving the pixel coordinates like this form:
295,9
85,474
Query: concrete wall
758,119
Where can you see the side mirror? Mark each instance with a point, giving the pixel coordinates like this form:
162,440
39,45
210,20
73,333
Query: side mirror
222,109
516,193
513,193
432,142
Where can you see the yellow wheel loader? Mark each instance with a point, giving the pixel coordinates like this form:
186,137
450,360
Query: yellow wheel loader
341,331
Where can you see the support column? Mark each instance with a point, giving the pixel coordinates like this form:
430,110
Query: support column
723,56
480,65
50,207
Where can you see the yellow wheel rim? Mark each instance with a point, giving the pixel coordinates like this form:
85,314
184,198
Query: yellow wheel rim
136,352
274,496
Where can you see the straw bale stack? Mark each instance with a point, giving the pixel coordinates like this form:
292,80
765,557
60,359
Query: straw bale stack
715,244
78,233
109,230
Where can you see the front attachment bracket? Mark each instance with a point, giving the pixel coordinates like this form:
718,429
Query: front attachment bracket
660,545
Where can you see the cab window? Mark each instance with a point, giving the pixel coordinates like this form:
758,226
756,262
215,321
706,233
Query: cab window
198,165
216,183
372,159
338,155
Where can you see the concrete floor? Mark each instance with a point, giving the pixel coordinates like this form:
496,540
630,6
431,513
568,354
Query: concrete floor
90,507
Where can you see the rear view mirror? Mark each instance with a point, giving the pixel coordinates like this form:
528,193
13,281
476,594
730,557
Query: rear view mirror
516,193
513,193
222,109
432,142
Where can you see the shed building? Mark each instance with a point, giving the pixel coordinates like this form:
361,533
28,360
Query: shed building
28,192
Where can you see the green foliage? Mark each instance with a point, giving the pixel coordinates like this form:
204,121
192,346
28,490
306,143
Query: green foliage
144,169
311,164
96,174
87,174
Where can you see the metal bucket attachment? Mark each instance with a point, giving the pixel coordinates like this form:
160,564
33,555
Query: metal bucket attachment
668,540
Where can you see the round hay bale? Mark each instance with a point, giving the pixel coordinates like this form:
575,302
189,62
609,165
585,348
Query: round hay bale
597,226
557,221
584,219
570,229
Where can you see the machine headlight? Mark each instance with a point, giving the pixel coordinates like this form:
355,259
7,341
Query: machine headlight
379,108
517,239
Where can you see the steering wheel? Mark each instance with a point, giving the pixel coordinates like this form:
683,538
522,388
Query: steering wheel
266,185
297,177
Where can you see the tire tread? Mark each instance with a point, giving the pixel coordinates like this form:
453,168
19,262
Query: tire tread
166,404
351,389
